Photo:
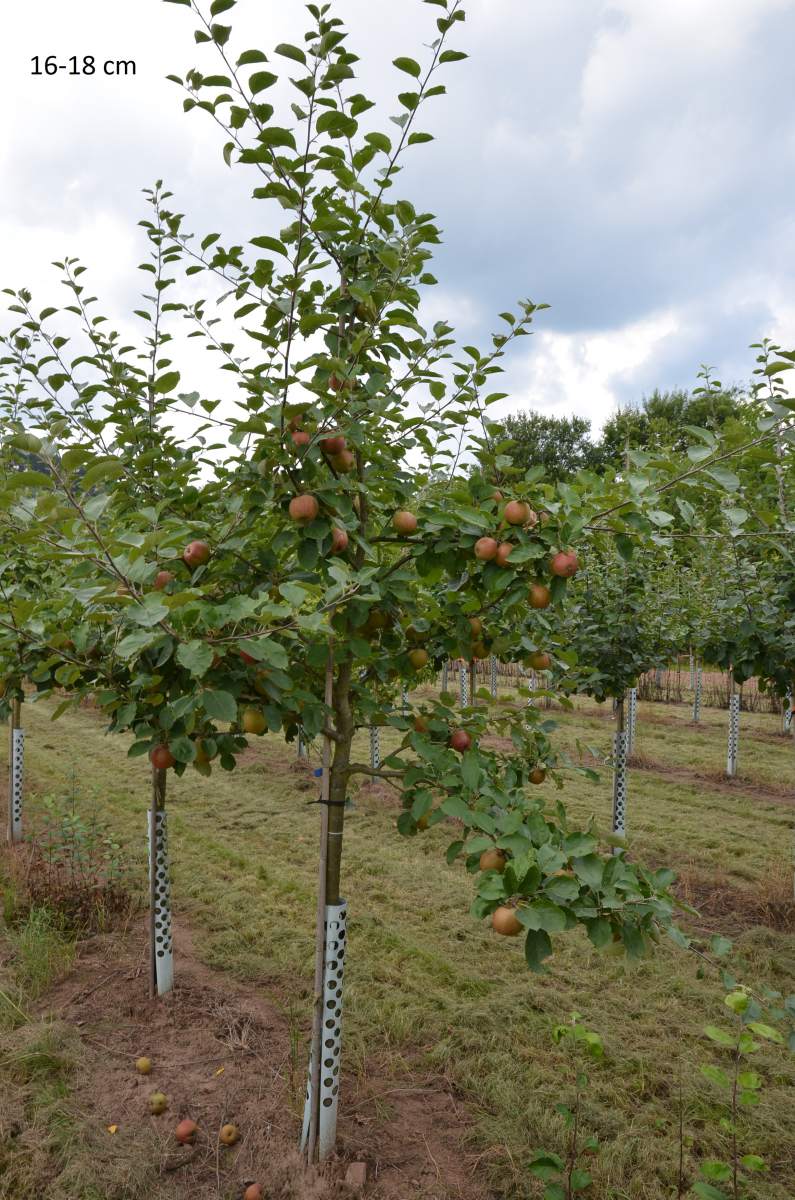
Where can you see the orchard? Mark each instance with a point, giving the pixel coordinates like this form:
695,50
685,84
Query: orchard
349,551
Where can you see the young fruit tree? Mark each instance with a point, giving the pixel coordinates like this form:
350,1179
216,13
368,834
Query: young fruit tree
285,559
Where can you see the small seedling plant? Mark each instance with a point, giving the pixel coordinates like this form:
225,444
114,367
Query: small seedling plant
565,1176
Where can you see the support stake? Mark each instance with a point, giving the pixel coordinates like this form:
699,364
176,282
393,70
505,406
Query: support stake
697,696
734,734
16,773
619,773
493,665
463,684
160,941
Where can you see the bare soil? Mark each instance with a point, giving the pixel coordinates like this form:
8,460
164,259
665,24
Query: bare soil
225,1052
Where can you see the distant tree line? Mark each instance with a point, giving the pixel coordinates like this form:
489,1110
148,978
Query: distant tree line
563,445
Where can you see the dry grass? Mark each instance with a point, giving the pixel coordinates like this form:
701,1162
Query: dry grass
430,990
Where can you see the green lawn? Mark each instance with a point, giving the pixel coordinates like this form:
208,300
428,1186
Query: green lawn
428,987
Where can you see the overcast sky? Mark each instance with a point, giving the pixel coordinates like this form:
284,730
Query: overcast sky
630,163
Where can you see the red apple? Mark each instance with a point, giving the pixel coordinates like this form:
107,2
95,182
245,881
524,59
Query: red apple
162,580
186,1131
503,553
460,740
486,548
539,596
332,445
304,509
517,512
161,758
300,437
539,661
344,462
564,564
253,1192
339,541
196,554
404,522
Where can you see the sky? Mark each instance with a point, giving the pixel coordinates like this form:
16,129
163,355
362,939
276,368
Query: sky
630,163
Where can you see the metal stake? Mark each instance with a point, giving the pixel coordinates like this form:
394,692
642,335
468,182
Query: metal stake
619,774
329,1076
463,685
734,734
16,773
161,948
375,747
493,677
632,718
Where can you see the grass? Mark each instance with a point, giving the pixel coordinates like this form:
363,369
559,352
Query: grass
428,987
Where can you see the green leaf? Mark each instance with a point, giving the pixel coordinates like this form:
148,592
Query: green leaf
752,1162
766,1031
448,56
537,947
109,468
409,66
219,6
196,656
708,1192
542,915
293,52
220,706
261,80
716,1075
724,477
721,1172
167,382
718,1035
470,770
250,56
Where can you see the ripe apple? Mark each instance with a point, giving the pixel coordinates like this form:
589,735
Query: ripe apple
404,522
162,580
229,1135
158,1103
247,658
420,725
196,554
418,659
186,1131
300,438
517,512
476,625
303,509
344,462
202,757
339,541
460,740
497,496
486,548
537,775
564,564
333,445
539,661
417,636
143,1066
253,1192
253,721
161,758
503,553
539,596
493,860
505,921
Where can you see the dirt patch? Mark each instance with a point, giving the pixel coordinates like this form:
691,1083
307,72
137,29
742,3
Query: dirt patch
226,1052
716,781
723,907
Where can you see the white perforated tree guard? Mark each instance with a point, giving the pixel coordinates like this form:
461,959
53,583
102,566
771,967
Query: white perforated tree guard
16,780
786,715
734,734
333,970
632,717
404,700
162,949
619,783
463,686
302,751
697,697
445,669
493,677
692,670
375,747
